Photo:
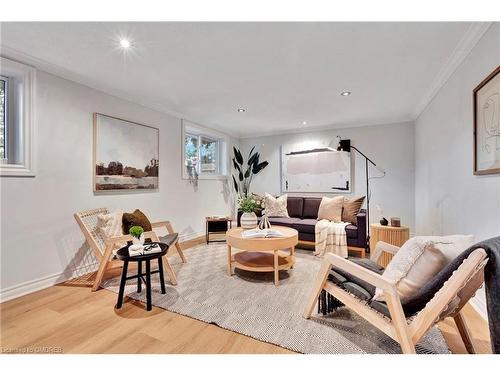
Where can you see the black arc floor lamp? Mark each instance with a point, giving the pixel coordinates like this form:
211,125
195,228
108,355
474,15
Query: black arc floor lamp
345,145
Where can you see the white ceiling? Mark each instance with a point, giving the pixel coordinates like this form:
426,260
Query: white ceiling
281,73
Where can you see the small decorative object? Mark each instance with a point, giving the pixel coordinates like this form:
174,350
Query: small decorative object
137,234
249,205
487,125
395,222
264,223
384,222
125,153
246,171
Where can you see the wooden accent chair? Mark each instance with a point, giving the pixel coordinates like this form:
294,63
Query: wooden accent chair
406,330
103,247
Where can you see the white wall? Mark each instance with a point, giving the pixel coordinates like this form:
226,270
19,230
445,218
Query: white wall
390,146
449,199
40,240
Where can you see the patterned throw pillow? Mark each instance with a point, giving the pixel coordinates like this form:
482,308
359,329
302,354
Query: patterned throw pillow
110,225
275,207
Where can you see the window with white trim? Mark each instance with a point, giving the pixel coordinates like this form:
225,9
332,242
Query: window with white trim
4,89
17,103
204,152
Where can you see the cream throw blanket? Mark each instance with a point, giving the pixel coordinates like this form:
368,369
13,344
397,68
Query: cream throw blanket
330,238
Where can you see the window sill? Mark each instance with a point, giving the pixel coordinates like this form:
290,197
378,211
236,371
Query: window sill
16,170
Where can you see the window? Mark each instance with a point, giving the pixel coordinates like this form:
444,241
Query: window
204,153
3,116
17,91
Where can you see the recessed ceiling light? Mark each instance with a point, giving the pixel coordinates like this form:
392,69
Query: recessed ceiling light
345,93
125,43
304,122
241,109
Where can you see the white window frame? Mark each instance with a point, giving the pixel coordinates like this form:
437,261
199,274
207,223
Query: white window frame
24,78
189,128
5,115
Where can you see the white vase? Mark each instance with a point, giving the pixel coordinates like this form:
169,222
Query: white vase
138,241
248,220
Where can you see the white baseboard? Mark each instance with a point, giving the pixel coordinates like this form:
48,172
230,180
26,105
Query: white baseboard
44,282
190,236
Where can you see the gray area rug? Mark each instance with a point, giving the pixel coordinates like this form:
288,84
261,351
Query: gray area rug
249,303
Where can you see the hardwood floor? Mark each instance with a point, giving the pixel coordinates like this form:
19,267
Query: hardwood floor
69,318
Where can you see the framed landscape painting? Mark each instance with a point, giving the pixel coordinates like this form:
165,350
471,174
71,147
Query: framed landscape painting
487,125
126,154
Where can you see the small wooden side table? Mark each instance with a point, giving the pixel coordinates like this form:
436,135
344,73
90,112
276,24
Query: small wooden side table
396,236
216,224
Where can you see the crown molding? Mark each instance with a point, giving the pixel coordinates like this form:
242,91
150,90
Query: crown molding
461,51
349,125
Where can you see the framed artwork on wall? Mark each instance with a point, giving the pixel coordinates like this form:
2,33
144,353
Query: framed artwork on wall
125,155
315,170
487,125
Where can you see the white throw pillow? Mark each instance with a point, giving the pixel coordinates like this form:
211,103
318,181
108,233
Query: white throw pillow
275,207
419,259
110,225
415,264
451,246
331,209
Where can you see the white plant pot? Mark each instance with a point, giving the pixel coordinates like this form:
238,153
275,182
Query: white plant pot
248,220
138,241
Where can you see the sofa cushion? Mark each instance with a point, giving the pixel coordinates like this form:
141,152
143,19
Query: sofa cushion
295,206
305,225
311,207
276,207
351,209
284,221
331,209
351,231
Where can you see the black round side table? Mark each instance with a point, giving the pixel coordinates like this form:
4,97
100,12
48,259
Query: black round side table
124,255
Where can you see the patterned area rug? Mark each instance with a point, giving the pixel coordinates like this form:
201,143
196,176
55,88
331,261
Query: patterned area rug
249,303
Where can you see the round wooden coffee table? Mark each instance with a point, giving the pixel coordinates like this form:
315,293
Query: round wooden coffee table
262,254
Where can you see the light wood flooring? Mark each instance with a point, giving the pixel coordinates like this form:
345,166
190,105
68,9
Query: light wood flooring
71,317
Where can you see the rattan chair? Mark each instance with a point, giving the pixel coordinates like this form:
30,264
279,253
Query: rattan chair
103,247
406,330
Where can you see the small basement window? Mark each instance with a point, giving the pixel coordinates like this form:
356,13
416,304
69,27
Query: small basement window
17,92
205,152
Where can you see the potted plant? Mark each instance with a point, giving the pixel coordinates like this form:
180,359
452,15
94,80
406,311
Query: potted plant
245,171
249,205
137,234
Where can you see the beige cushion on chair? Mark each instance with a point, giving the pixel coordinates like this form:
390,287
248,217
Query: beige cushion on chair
275,207
331,209
110,225
416,262
451,246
